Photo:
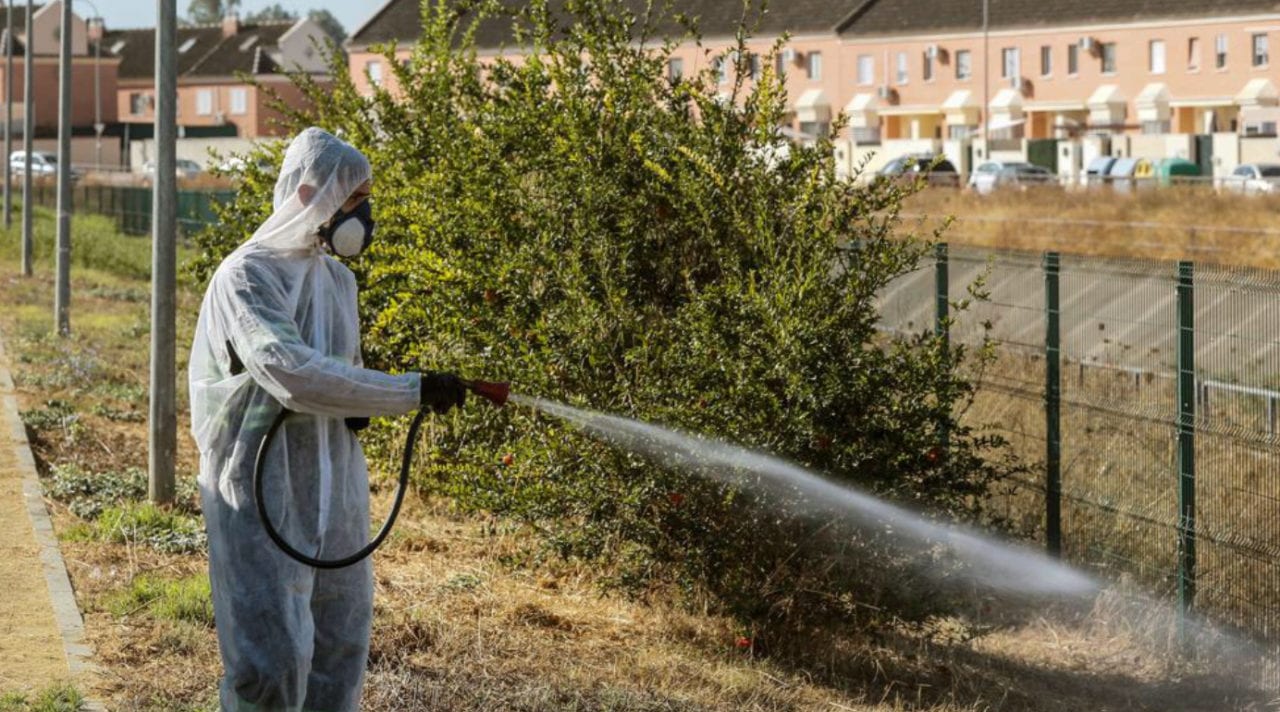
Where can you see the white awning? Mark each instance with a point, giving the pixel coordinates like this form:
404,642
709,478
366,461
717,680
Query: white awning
1258,92
1008,101
813,107
1152,102
862,111
1107,106
961,108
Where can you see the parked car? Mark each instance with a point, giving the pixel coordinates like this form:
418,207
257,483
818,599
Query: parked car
936,169
43,164
1005,174
1254,178
184,169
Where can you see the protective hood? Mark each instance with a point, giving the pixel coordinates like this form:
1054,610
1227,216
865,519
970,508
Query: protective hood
319,173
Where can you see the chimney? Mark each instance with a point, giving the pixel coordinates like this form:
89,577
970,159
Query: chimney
231,24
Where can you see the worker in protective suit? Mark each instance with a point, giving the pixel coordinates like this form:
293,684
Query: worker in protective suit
278,329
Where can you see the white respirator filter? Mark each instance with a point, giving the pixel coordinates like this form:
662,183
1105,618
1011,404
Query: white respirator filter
348,239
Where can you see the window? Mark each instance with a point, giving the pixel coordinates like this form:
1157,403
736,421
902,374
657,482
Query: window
926,71
722,70
1220,52
239,101
866,69
1156,127
1155,56
1046,60
753,64
1260,55
375,73
866,135
815,65
204,102
1193,54
1073,59
903,72
1108,57
964,64
1009,66
675,69
139,103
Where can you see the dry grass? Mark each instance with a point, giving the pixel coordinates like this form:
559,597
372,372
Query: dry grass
467,619
1168,224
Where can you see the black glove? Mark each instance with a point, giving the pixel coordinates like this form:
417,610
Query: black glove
441,391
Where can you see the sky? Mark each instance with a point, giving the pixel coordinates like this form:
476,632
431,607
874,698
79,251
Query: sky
121,14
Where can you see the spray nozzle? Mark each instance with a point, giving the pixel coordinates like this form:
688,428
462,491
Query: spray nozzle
495,393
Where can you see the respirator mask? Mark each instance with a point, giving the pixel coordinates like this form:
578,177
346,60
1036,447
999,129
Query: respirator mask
349,234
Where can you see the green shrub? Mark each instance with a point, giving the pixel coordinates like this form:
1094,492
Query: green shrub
600,235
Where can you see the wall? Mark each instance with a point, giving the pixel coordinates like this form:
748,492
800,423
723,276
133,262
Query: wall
194,149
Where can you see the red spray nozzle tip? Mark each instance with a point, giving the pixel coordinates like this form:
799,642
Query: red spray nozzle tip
495,393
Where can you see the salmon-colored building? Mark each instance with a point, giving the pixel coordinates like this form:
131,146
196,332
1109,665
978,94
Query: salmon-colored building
1059,81
212,95
90,65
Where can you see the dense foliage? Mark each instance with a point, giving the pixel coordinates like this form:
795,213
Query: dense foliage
575,221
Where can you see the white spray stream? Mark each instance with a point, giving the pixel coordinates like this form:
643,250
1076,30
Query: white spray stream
1011,568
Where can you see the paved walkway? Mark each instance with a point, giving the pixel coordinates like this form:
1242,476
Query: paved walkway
41,631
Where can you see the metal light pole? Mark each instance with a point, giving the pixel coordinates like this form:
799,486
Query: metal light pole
28,127
62,296
164,223
98,126
986,80
8,115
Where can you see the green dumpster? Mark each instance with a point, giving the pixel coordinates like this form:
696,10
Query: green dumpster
1176,170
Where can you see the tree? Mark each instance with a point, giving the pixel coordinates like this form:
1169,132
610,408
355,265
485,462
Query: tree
329,24
203,12
271,13
580,224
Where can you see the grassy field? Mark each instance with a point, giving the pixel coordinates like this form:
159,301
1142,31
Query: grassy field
1168,224
470,615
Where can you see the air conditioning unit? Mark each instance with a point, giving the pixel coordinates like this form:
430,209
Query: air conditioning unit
932,51
1016,83
1087,44
219,118
789,56
887,93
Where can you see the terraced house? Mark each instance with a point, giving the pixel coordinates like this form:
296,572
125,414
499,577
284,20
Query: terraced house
1059,81
214,97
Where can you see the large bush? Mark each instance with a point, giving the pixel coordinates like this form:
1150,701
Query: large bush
577,223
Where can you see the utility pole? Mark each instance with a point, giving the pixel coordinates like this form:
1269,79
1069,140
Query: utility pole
62,296
164,235
28,126
8,115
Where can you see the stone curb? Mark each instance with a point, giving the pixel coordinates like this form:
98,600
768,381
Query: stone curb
65,609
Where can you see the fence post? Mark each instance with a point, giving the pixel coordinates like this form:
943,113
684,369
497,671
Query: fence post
1186,444
1052,407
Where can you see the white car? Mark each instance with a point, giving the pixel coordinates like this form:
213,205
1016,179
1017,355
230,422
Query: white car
1003,174
1254,178
42,163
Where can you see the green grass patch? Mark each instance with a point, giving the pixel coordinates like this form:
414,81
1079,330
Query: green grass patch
61,697
163,529
184,599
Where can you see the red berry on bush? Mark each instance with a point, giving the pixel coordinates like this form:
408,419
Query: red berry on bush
743,642
675,498
508,459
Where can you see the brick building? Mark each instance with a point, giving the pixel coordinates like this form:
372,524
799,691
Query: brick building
1060,80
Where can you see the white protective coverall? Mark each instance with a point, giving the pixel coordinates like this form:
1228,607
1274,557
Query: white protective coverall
278,328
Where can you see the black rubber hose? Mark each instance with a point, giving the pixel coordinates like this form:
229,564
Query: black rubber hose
369,548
